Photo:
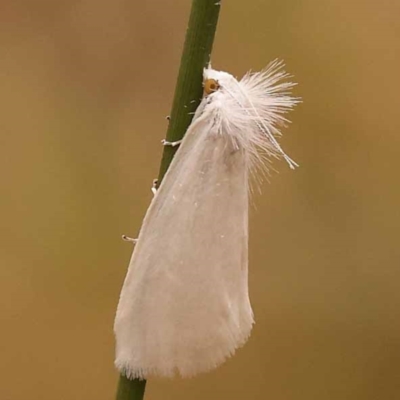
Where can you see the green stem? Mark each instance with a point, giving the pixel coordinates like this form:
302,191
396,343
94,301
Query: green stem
189,89
188,92
130,389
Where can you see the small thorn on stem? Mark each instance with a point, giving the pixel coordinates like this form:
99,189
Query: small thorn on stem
173,144
129,239
154,186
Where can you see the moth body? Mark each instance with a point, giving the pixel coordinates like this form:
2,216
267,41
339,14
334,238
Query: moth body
184,306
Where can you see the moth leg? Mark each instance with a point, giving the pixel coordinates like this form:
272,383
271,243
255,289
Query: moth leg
173,144
129,239
154,186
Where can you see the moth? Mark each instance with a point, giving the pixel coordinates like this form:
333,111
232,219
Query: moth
184,306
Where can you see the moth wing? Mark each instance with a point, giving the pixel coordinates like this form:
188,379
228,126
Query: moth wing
184,306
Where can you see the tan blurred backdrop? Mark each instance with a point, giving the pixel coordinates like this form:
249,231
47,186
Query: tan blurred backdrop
85,86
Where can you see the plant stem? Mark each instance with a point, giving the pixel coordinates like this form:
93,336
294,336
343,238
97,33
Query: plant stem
130,389
188,92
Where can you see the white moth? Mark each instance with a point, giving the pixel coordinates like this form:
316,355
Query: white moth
184,306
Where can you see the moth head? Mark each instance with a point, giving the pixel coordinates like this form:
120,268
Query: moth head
210,86
214,80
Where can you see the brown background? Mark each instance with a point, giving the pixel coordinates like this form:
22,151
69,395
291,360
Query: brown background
85,86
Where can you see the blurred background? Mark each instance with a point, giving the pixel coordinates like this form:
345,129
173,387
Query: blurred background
85,88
